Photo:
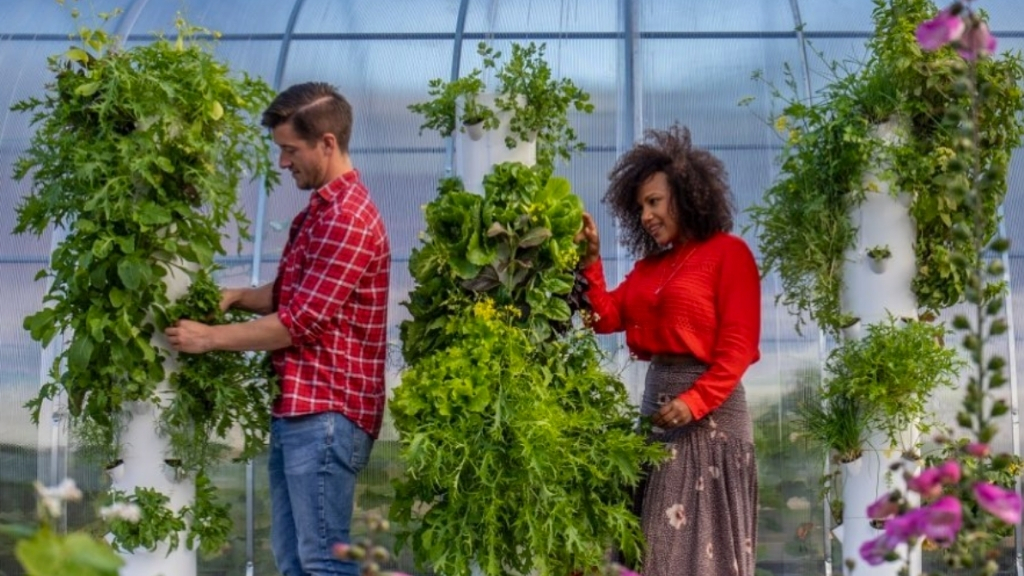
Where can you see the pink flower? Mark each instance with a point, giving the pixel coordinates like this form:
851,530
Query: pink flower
941,520
876,551
976,42
928,483
884,507
977,449
340,551
949,472
904,527
939,31
999,502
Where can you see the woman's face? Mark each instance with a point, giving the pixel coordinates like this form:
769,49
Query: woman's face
658,210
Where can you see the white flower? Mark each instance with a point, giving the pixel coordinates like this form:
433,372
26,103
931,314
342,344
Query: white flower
52,498
121,511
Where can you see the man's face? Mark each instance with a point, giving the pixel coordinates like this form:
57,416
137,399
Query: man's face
308,162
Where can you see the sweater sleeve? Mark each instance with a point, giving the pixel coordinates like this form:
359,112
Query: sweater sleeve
607,306
738,309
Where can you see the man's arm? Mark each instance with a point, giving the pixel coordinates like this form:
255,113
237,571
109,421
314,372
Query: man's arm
264,333
259,300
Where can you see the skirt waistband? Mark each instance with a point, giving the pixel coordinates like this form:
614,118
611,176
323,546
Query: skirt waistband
675,360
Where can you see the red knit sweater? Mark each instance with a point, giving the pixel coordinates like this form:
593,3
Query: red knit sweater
702,299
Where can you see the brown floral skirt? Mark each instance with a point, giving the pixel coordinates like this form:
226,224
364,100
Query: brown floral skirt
699,508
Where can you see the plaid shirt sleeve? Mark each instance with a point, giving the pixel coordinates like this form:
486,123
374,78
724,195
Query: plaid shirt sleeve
339,253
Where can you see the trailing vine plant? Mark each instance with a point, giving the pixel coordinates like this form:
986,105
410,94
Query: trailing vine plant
803,222
137,157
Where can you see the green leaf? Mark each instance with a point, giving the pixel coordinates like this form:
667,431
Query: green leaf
87,89
77,55
130,272
216,110
80,352
534,237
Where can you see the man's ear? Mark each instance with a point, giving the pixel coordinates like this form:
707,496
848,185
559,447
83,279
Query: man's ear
330,142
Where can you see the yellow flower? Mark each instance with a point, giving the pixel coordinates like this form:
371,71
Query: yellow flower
484,309
781,124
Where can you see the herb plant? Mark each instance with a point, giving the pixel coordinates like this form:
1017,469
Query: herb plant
525,87
890,374
803,222
138,155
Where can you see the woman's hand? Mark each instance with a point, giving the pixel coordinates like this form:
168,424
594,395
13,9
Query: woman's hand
674,414
589,235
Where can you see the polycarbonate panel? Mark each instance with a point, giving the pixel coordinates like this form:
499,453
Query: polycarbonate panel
31,17
394,17
380,79
19,356
249,17
836,15
745,16
543,16
703,90
855,15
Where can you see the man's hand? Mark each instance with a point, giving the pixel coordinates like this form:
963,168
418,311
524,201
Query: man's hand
190,337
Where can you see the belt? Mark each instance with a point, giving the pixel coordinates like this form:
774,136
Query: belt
674,360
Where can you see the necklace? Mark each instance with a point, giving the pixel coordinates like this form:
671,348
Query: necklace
680,258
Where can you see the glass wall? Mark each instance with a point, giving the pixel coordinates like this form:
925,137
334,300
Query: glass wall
646,63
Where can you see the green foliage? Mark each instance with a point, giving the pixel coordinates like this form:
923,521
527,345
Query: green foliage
835,423
804,223
159,523
215,391
514,244
515,445
542,114
46,553
209,523
519,449
138,155
883,382
879,252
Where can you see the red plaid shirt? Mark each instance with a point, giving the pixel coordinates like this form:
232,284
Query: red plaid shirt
331,293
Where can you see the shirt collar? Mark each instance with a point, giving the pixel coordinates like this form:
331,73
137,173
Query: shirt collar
328,192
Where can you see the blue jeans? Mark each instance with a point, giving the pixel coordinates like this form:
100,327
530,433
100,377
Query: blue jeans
314,461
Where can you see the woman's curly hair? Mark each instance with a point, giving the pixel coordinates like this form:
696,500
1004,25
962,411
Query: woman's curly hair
700,189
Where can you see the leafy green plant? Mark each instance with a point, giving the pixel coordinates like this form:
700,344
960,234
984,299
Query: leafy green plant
514,244
882,382
829,142
836,423
879,252
519,449
525,87
161,525
138,155
519,452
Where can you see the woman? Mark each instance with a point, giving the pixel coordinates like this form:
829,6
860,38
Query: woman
691,307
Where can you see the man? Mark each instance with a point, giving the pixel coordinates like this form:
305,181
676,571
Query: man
325,320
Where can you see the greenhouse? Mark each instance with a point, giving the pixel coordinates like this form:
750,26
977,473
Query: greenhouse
872,151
